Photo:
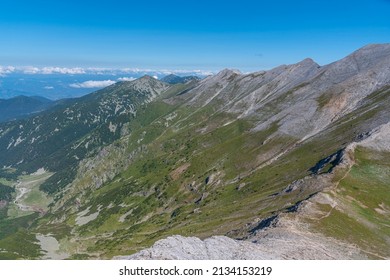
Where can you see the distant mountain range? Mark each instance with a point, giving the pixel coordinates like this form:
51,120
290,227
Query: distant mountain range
174,79
71,83
289,163
22,106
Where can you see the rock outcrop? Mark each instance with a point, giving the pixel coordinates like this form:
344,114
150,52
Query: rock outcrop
275,246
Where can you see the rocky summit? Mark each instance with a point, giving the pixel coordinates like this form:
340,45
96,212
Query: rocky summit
289,163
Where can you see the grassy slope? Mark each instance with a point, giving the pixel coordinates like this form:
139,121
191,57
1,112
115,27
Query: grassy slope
193,154
362,214
162,205
148,189
16,239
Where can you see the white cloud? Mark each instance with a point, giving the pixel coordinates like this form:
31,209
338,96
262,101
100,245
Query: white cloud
155,77
161,72
92,84
60,70
126,79
30,70
185,72
137,72
48,87
6,70
50,70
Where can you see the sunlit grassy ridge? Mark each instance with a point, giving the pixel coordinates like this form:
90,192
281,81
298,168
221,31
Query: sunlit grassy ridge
362,214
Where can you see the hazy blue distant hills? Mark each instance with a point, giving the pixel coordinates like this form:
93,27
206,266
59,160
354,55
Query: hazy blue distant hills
22,106
174,79
6,93
56,86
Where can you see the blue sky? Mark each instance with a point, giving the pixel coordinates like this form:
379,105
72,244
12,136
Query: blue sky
210,35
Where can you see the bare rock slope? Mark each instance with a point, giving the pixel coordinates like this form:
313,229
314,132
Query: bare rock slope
293,245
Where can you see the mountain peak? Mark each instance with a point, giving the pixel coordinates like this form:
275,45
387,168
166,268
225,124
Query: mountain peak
375,47
147,78
229,72
308,62
372,58
149,84
371,52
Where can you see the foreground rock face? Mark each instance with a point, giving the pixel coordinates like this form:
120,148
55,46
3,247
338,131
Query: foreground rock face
273,246
186,248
